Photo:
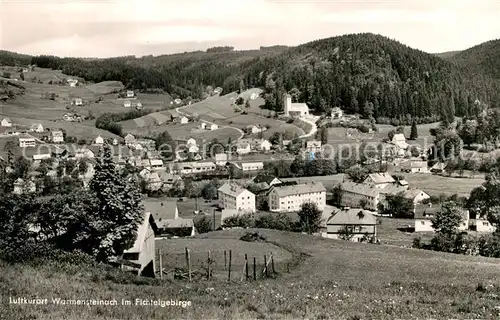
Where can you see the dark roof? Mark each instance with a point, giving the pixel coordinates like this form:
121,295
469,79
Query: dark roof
264,178
424,211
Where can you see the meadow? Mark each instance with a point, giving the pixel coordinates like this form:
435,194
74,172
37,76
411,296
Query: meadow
331,279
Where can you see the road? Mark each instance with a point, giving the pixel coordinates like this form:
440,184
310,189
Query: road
312,122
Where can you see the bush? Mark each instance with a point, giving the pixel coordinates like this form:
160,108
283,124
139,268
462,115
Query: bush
252,237
278,221
243,221
203,224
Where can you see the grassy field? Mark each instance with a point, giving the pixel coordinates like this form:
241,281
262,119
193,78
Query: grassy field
243,120
436,185
332,280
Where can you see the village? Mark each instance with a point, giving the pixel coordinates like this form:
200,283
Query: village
243,185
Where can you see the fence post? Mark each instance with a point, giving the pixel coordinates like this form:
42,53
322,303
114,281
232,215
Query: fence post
254,270
265,265
208,265
188,262
246,267
161,264
272,264
225,260
229,266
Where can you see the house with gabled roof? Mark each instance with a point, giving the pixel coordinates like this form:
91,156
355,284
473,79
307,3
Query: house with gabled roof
57,136
379,179
425,212
168,223
6,122
142,254
234,196
36,127
361,224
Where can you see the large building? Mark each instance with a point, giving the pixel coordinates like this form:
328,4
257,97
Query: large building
294,109
27,141
379,180
235,197
289,198
425,212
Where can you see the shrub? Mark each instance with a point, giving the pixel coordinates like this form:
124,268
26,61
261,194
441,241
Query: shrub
252,237
243,221
203,224
278,221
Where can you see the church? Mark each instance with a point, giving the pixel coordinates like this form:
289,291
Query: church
294,109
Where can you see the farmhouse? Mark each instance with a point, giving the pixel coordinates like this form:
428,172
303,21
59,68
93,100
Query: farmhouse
379,180
255,129
57,136
169,180
262,145
425,212
36,127
129,140
127,104
289,198
243,148
6,122
399,140
415,166
177,101
157,164
415,197
27,141
99,140
254,96
361,224
130,94
294,109
269,180
203,125
184,120
138,105
69,117
337,113
153,181
21,186
235,197
218,90
221,159
213,127
439,167
84,153
143,252
480,224
78,102
72,82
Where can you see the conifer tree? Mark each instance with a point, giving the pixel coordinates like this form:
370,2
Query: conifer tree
414,131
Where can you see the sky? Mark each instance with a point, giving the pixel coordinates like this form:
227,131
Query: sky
105,28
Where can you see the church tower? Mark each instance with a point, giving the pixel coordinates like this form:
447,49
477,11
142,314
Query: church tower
287,104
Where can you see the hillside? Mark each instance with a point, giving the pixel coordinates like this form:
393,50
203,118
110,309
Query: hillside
332,279
447,54
365,73
483,58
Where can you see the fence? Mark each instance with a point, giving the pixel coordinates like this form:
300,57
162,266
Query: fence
211,266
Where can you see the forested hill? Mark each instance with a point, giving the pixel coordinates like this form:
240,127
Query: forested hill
364,73
483,58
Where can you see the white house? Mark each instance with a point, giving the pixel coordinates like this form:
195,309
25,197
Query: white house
294,109
221,159
263,145
361,224
72,82
254,96
337,113
84,153
424,214
99,140
177,101
127,104
130,94
356,194
157,164
481,224
6,122
138,105
203,125
400,141
213,127
252,166
184,120
129,140
289,198
243,148
269,180
78,102
57,136
41,156
255,129
115,142
194,167
415,166
233,196
27,141
36,127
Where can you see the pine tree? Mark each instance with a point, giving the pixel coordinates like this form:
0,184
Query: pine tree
414,131
119,209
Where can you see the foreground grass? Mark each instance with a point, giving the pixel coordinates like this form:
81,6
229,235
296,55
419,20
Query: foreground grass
337,280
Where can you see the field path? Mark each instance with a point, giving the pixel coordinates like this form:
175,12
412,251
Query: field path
314,128
239,130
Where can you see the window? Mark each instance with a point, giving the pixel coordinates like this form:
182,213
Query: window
422,222
485,223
